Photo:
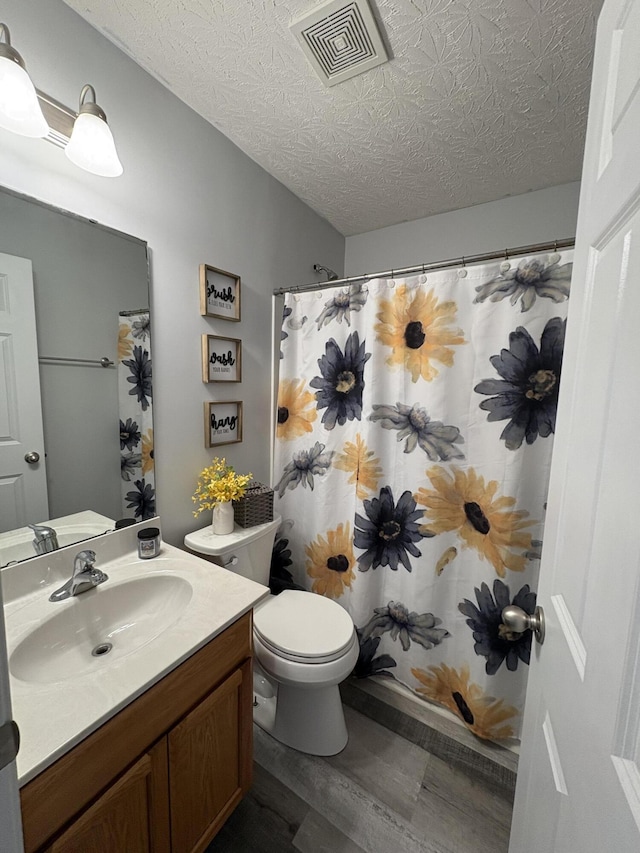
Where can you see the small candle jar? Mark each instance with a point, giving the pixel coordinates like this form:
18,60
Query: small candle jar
148,543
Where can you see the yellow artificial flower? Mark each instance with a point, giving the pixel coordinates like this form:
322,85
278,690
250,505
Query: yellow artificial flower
483,715
125,342
296,409
483,521
147,452
331,562
416,327
363,466
219,483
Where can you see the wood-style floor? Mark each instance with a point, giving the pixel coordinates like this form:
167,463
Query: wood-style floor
385,793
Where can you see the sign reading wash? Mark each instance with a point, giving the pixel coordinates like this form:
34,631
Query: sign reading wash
221,359
222,423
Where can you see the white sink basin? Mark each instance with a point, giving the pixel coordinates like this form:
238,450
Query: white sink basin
93,630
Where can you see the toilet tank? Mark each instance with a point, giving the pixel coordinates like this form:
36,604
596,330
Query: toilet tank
246,551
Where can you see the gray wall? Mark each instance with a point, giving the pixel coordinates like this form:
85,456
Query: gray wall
83,275
195,198
516,221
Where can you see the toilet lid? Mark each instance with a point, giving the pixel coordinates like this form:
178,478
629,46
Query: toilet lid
304,625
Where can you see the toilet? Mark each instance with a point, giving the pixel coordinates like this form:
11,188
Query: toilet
304,645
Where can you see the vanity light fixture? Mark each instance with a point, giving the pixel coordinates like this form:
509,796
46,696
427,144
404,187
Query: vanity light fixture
20,111
91,146
85,136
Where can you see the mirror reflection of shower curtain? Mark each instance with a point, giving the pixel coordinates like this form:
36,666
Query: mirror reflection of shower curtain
413,447
135,399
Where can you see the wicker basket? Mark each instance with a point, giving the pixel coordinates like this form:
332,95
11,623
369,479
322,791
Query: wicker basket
255,507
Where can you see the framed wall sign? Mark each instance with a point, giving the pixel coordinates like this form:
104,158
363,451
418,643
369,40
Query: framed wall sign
221,359
222,423
219,293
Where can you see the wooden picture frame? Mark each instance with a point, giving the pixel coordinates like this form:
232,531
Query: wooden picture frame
221,359
222,423
219,293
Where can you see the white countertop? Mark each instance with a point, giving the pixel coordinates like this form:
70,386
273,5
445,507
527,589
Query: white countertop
55,716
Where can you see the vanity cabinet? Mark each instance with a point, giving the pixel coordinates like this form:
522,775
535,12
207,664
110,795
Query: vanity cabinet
162,775
131,815
204,753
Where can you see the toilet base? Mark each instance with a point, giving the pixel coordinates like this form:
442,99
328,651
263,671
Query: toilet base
310,721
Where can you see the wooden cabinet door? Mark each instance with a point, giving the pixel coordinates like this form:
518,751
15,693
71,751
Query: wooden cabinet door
131,816
210,761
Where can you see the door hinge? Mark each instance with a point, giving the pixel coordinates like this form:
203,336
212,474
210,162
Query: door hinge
9,743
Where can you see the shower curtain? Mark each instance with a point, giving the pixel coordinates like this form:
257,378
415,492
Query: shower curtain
135,395
413,444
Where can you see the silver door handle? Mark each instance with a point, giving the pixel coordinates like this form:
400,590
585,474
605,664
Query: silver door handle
519,621
32,457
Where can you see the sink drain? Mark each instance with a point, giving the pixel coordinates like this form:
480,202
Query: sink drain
102,649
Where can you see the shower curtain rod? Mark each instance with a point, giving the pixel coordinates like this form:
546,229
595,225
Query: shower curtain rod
554,245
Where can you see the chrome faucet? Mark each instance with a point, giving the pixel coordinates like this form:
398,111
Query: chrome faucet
85,576
46,539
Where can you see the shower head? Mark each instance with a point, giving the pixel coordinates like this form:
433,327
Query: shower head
331,275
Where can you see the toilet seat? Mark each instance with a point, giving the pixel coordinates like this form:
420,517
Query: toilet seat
304,627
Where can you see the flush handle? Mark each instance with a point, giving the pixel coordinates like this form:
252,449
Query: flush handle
517,620
232,561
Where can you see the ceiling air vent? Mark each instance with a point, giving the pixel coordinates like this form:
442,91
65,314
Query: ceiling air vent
340,40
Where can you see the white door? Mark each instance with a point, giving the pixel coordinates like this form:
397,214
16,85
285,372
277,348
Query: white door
578,785
23,485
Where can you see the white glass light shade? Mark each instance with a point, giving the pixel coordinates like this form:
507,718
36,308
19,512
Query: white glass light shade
92,148
19,108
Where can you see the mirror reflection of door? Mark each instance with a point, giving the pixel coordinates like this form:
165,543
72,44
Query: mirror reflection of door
23,480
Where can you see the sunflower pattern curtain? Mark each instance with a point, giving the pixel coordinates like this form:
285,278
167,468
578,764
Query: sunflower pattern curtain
135,397
414,435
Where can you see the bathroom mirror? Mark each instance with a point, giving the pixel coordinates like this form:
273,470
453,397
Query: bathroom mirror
87,281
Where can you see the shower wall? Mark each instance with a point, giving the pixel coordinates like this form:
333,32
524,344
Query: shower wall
516,221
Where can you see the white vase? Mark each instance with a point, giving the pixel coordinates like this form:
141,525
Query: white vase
222,518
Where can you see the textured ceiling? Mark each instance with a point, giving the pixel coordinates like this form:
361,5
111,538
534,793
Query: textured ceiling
481,99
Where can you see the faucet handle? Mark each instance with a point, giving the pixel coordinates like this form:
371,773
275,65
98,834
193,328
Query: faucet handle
42,531
84,561
45,539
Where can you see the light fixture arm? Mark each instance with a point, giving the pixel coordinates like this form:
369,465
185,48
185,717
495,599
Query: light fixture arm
7,50
90,107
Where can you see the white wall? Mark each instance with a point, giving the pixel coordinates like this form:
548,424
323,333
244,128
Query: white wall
516,221
195,198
